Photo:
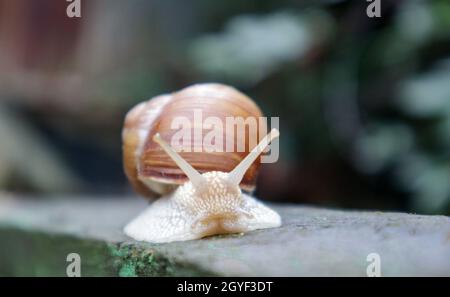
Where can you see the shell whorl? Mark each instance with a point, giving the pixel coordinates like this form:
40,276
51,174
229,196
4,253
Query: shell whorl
138,123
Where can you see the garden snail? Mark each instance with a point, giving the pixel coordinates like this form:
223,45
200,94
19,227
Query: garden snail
198,192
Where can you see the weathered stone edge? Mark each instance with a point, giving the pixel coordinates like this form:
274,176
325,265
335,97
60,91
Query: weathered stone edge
36,253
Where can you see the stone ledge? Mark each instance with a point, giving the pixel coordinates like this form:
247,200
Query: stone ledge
38,235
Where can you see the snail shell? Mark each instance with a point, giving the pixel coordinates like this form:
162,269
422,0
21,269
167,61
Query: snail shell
150,170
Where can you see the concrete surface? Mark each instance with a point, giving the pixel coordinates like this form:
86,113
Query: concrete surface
37,235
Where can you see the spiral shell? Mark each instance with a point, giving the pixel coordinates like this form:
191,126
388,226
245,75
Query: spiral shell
151,172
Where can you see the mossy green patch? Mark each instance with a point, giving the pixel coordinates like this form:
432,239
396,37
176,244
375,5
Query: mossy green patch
33,253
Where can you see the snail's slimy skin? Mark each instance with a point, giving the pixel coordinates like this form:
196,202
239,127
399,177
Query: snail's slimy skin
210,203
215,207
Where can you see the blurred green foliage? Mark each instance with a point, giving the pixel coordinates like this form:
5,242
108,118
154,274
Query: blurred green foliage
364,104
252,47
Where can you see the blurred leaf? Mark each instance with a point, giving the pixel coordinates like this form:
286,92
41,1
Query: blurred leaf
380,145
428,180
414,21
252,47
441,17
428,94
433,189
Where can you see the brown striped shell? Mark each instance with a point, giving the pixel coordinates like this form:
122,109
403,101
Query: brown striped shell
150,170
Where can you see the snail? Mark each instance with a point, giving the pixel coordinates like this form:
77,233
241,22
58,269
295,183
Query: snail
198,193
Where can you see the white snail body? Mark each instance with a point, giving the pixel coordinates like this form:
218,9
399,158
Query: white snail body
197,202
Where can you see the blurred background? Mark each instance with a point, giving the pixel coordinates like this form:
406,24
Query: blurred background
364,103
